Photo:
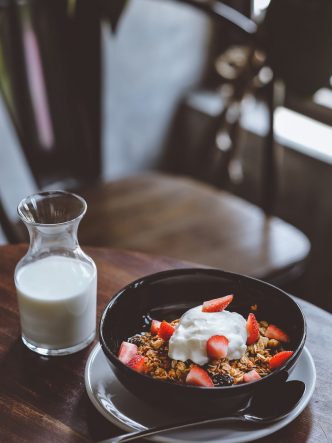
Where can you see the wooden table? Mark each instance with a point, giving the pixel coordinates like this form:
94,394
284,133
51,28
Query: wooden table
44,399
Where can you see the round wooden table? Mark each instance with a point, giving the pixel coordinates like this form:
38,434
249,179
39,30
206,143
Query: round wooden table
44,399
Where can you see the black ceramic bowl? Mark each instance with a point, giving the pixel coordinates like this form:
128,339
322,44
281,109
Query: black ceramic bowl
166,296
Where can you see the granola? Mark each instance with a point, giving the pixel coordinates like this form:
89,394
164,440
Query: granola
223,372
208,347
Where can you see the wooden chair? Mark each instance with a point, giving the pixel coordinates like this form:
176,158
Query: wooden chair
184,218
153,212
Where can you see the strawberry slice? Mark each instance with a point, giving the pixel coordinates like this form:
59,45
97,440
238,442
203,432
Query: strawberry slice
165,330
137,363
197,376
127,351
155,325
273,331
252,329
217,346
280,358
217,304
251,376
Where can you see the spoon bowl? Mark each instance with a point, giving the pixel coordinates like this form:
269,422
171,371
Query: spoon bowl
265,407
273,403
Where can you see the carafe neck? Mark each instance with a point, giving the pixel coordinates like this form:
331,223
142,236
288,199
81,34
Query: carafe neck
56,239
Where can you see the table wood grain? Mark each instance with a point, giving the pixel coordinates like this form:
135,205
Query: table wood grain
44,400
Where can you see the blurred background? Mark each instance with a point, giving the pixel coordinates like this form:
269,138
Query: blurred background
196,129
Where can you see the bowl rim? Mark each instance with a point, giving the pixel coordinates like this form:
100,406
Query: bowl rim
146,279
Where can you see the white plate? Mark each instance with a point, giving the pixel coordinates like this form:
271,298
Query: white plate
129,413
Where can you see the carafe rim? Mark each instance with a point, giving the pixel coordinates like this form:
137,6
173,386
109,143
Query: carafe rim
49,194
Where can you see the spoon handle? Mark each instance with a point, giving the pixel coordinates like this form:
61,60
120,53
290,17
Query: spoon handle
158,430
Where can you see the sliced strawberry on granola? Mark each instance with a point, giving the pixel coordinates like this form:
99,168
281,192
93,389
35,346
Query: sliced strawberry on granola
154,328
137,363
217,346
217,304
252,329
126,352
165,330
276,333
280,358
197,376
251,376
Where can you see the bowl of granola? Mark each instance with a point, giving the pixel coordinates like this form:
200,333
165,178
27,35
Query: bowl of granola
200,339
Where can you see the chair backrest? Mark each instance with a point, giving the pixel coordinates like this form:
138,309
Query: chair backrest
51,54
51,83
16,180
51,80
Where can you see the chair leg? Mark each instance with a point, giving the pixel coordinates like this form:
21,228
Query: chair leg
7,227
269,171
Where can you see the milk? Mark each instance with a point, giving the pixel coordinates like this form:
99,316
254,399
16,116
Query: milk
57,302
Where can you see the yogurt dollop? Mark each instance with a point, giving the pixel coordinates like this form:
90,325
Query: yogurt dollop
196,327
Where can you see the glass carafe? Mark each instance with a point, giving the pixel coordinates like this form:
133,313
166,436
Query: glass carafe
56,281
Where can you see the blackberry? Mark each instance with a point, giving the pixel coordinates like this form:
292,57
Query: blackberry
136,340
222,380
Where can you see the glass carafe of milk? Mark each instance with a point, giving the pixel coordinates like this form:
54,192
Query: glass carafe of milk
56,281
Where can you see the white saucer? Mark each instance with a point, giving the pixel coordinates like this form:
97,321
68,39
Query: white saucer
129,413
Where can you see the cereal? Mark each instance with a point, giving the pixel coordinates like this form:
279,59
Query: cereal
224,372
209,346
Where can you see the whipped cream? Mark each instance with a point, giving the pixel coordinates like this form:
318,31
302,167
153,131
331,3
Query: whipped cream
196,327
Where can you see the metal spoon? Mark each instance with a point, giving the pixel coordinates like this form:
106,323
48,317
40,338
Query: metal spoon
266,406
